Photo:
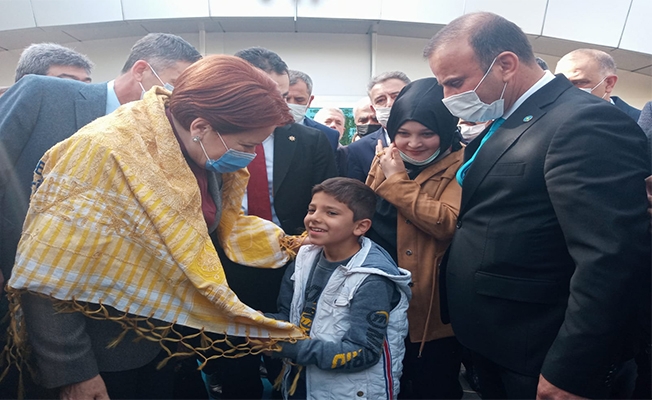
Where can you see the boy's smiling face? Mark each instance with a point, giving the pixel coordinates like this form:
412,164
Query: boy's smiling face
330,224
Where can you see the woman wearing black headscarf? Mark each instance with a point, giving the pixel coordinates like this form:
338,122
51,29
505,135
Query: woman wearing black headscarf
419,200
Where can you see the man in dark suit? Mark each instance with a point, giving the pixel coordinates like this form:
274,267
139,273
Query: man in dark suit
594,71
550,264
287,165
382,90
299,97
35,114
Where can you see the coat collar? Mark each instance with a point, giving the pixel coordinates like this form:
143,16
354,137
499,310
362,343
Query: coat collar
91,104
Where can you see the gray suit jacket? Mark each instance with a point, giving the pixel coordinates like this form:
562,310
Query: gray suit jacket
35,114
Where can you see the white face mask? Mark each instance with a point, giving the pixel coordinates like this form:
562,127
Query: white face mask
469,132
590,90
412,161
298,112
469,107
382,115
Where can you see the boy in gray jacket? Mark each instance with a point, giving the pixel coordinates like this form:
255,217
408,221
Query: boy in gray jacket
349,297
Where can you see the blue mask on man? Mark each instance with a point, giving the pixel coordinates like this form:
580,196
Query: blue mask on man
230,161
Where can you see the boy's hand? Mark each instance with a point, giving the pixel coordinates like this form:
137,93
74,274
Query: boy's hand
389,159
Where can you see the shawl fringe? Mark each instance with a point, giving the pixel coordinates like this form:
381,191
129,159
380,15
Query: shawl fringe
173,342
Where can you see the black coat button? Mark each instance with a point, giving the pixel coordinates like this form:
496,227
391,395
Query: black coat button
459,224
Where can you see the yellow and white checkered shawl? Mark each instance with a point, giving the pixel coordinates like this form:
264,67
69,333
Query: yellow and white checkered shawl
117,221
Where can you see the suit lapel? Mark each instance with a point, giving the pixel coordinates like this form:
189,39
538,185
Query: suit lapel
526,116
285,144
91,104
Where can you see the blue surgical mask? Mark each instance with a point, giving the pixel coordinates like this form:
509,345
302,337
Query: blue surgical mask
230,161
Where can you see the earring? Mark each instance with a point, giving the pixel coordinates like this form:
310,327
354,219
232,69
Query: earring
196,139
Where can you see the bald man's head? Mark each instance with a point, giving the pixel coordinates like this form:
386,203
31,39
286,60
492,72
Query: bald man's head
589,69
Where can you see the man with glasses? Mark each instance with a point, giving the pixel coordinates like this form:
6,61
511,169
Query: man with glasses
382,90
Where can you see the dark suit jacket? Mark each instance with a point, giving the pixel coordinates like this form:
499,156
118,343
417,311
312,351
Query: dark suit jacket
360,154
634,113
551,257
302,159
332,135
35,114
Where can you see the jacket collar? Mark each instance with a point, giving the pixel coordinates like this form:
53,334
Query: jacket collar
285,144
522,119
91,104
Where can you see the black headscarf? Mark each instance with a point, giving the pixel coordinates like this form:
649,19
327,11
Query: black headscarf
420,101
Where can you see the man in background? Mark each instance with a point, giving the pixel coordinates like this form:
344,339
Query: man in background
333,118
382,91
299,98
51,59
594,71
364,118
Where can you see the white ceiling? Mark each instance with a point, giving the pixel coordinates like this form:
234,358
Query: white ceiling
555,27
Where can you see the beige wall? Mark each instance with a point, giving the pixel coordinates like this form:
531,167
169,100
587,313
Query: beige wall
339,64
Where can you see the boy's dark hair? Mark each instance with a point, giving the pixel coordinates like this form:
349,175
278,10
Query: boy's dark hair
357,196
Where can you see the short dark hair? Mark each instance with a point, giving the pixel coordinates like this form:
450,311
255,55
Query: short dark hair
488,34
296,75
542,63
263,59
357,196
37,59
161,51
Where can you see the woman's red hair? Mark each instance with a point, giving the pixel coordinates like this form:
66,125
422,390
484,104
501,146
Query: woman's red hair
230,94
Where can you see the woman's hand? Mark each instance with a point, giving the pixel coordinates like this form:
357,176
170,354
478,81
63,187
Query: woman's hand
389,159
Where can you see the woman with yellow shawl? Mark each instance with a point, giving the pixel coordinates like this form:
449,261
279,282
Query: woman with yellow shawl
117,241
